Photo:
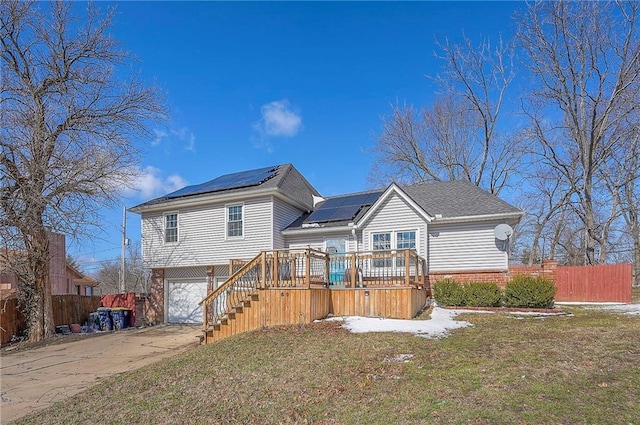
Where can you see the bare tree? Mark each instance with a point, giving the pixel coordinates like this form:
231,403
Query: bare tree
68,127
584,58
137,277
458,136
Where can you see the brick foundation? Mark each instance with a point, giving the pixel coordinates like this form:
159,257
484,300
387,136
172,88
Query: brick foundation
546,269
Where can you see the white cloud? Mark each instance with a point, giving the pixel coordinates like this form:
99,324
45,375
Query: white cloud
152,183
185,136
278,119
158,135
182,135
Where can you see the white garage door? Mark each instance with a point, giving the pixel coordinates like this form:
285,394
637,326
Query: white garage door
183,301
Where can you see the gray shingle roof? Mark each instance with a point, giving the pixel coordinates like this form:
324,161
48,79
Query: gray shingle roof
451,199
458,198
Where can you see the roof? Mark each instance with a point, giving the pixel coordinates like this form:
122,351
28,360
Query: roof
444,200
458,198
340,210
284,179
80,278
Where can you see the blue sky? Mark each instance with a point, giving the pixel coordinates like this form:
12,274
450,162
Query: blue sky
253,84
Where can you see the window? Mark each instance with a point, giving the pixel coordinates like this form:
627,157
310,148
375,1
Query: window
234,221
397,240
405,240
171,228
382,241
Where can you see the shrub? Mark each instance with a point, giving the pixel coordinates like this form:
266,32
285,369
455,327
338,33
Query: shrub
527,291
448,292
482,294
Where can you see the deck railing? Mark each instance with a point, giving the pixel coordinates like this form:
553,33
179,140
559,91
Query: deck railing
269,269
401,267
309,267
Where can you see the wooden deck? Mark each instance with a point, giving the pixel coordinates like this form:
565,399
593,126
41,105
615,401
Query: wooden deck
284,287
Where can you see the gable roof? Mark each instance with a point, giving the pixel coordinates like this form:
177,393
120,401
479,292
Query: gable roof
284,180
441,201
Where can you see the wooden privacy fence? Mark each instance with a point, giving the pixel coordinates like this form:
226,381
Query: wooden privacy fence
603,283
67,309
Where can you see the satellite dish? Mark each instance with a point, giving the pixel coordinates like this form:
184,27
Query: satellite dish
502,232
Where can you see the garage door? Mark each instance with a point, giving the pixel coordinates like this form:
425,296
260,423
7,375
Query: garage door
183,301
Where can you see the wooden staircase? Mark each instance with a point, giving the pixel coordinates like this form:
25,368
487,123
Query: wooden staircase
267,291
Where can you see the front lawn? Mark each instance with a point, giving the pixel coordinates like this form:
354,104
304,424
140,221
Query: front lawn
575,369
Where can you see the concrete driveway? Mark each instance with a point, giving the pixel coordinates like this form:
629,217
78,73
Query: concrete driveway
33,379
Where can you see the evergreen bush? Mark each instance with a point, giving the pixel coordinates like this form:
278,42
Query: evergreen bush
528,291
448,292
482,294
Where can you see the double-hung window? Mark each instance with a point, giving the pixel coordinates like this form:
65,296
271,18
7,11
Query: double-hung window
171,228
235,222
388,241
382,242
405,240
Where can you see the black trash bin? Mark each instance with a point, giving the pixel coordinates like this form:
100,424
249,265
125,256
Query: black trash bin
104,315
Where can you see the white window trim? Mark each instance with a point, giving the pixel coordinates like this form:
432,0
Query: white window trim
164,227
394,241
394,238
226,221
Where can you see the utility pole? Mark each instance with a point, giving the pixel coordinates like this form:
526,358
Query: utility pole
123,252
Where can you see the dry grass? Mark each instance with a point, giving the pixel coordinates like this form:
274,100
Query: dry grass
560,370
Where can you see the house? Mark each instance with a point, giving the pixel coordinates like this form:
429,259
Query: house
64,278
196,238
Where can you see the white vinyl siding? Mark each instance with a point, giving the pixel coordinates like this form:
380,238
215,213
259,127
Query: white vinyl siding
202,233
393,217
283,215
465,246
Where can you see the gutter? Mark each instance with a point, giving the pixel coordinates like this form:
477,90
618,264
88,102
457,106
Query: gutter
216,198
470,218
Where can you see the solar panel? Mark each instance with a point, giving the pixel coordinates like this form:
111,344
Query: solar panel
320,215
346,212
342,207
228,181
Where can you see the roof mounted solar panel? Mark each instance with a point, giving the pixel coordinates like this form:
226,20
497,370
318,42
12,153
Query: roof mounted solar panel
345,212
227,182
342,208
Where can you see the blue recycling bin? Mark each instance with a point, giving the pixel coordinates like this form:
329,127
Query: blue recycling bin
120,317
104,315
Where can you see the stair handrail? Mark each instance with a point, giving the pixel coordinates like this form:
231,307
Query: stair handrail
229,284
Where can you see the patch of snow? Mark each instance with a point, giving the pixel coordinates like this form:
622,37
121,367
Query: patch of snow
628,309
441,322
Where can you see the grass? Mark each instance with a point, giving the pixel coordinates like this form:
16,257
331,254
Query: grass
575,369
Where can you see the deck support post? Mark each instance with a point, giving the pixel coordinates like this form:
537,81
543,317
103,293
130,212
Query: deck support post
407,267
327,269
307,267
353,270
263,270
274,269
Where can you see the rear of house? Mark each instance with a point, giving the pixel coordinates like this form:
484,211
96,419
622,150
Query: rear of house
192,237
